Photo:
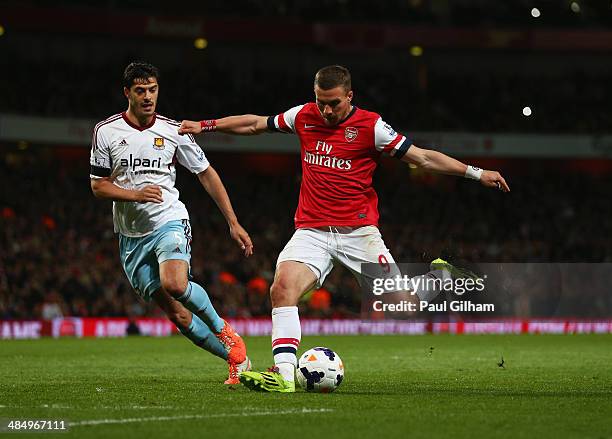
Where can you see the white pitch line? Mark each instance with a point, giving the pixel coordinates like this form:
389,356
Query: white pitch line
105,407
135,407
183,417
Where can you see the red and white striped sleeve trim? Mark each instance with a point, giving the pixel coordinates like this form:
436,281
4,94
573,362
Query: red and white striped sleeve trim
285,122
386,139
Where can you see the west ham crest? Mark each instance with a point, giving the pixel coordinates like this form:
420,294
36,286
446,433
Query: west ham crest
350,133
158,143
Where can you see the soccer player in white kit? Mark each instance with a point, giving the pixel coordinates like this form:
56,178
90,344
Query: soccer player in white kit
337,216
133,158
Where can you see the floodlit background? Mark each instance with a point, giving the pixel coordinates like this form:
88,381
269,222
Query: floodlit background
521,87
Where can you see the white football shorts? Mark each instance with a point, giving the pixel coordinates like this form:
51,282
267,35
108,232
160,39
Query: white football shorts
351,247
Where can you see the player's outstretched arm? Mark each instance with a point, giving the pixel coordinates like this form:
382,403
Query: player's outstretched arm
214,186
105,188
435,161
244,125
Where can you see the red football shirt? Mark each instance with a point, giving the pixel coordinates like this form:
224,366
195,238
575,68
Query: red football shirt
338,163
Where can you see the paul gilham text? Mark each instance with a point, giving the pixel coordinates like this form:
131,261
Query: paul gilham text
455,306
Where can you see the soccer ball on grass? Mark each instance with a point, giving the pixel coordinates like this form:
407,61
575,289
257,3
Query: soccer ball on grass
320,370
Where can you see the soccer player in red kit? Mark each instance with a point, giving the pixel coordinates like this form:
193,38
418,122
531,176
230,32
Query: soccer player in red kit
337,214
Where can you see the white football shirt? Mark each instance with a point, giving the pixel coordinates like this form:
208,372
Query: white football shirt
135,157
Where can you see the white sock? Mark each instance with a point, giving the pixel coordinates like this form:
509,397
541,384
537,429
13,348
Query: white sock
287,370
286,336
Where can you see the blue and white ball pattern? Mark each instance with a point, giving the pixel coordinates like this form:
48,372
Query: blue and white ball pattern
320,370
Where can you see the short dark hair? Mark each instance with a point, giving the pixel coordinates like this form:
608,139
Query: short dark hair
333,76
139,70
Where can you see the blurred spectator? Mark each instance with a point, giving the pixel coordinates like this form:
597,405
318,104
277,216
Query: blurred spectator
319,302
52,306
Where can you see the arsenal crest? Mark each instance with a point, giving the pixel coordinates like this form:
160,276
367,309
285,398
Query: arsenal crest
350,133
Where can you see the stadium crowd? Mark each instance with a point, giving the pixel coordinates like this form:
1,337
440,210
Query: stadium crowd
447,101
58,254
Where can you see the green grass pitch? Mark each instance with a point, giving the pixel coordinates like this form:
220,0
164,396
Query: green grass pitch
395,386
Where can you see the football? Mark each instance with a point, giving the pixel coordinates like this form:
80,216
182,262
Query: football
320,370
